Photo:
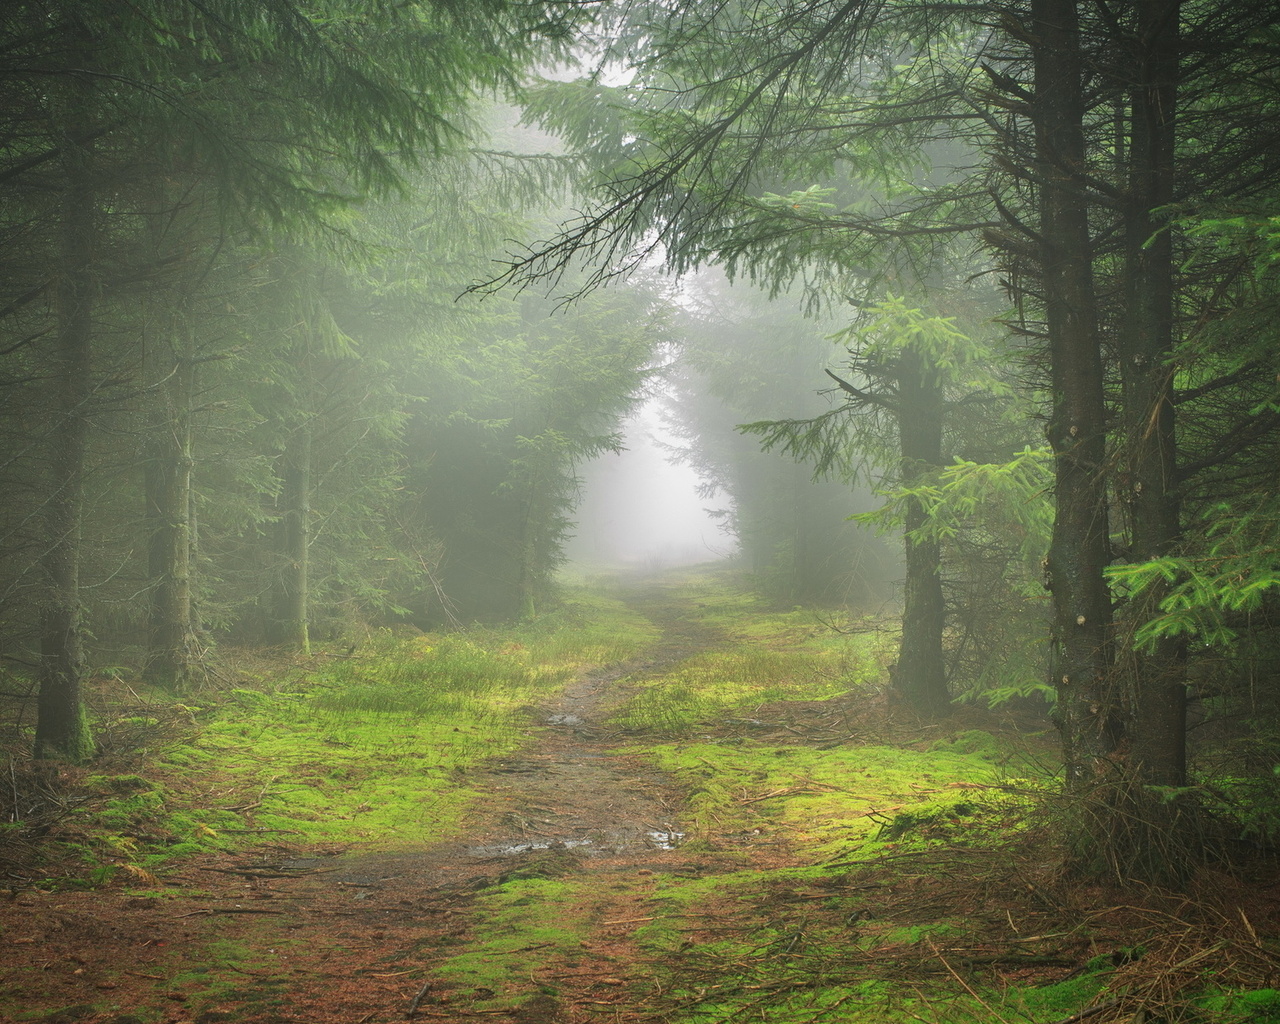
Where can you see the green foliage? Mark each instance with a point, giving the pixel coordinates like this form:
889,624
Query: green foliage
512,406
890,326
743,357
1207,594
1006,499
994,522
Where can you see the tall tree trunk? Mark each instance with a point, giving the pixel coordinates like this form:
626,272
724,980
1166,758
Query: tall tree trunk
1080,642
920,675
61,726
171,644
292,597
1152,834
538,474
1158,726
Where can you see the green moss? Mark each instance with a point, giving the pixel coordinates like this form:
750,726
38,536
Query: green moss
591,627
720,683
117,783
838,801
1260,1005
1059,1000
227,964
518,929
974,742
370,748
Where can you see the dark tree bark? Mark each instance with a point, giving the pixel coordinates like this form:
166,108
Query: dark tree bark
61,726
1149,491
1080,641
920,675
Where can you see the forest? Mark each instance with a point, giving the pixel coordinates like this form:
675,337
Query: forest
322,323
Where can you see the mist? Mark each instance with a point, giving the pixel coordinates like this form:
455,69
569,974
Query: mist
641,508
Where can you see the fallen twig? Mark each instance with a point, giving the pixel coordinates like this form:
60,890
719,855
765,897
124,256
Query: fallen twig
789,791
241,808
230,910
967,987
722,767
413,1006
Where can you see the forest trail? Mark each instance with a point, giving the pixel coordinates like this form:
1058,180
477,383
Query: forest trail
570,806
344,935
786,867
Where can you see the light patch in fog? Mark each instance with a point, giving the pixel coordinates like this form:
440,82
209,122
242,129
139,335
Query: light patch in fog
641,509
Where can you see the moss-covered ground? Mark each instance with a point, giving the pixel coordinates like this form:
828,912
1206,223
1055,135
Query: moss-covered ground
452,827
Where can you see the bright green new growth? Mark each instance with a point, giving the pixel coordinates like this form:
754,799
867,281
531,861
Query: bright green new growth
1207,594
848,800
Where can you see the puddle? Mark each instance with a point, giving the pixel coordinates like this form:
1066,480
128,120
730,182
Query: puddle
608,843
665,839
511,849
564,719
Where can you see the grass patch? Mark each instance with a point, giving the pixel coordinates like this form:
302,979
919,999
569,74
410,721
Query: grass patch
765,656
714,684
373,747
590,627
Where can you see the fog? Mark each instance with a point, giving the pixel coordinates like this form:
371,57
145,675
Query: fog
640,508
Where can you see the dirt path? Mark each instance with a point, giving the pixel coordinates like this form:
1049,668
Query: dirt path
347,936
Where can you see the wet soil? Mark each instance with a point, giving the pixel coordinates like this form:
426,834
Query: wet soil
350,935
285,934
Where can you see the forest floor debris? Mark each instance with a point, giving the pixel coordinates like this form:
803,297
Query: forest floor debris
588,883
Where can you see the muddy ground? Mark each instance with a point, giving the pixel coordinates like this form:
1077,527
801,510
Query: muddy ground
345,935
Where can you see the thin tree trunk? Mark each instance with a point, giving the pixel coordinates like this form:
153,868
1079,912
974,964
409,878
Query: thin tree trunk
172,644
1080,642
920,675
61,726
292,609
802,571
